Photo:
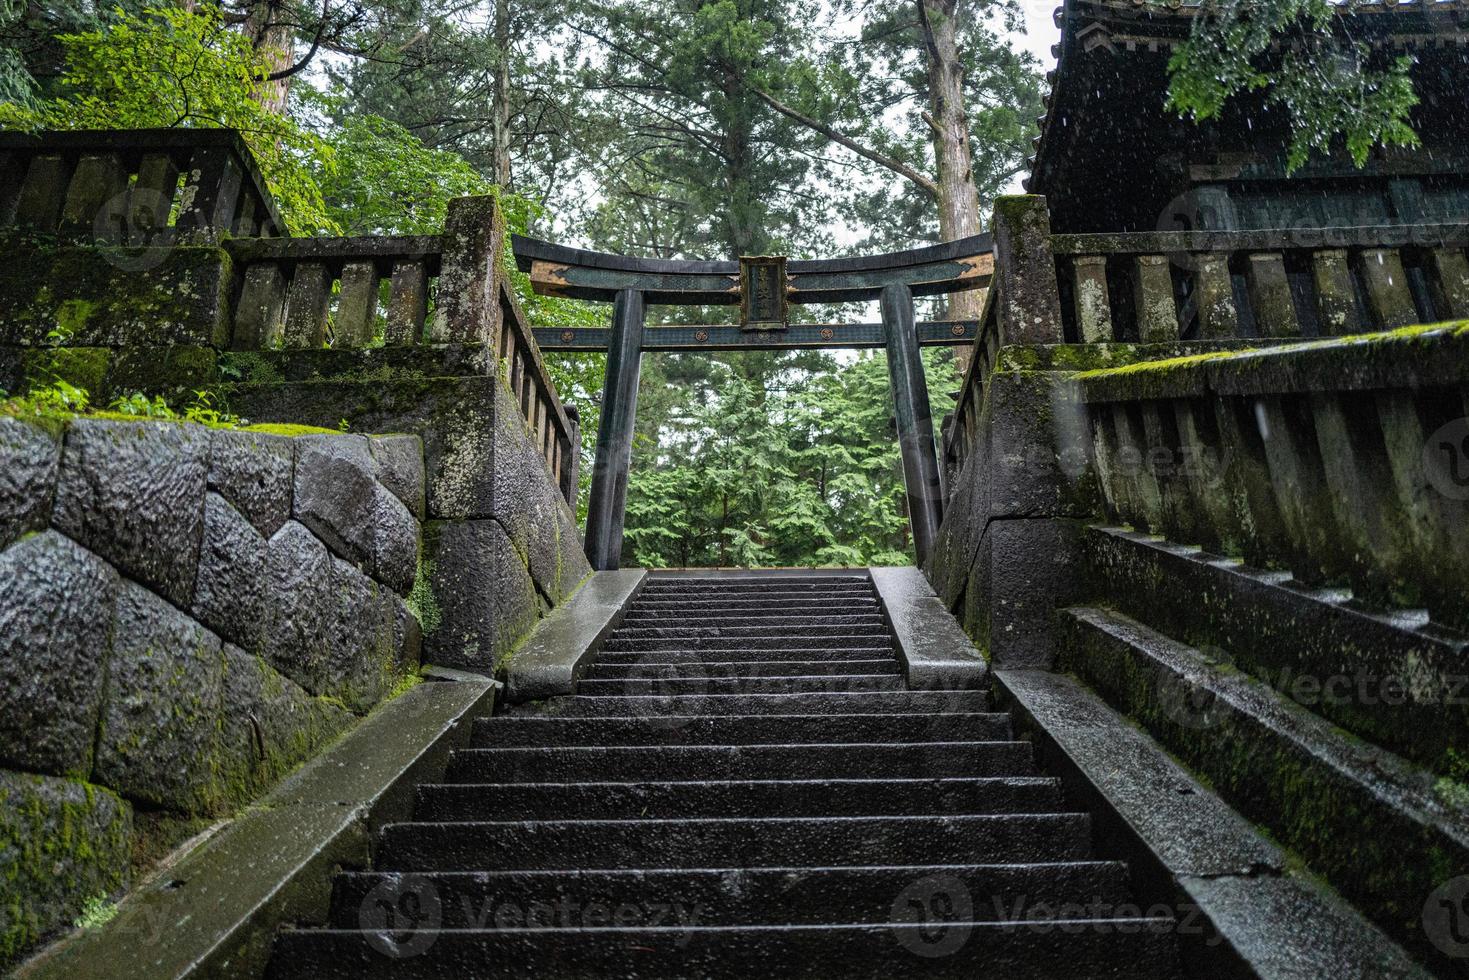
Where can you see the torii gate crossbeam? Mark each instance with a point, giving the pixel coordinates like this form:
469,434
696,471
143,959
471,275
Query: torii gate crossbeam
762,287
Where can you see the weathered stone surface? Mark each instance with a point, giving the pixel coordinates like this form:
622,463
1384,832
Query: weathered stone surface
395,542
232,593
30,453
338,497
1030,461
557,561
1030,304
55,611
547,665
161,709
98,298
269,725
85,367
399,467
1032,571
61,843
360,654
133,492
407,633
253,471
175,371
482,592
456,417
335,493
301,596
936,654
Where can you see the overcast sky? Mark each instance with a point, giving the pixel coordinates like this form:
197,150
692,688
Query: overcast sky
1042,31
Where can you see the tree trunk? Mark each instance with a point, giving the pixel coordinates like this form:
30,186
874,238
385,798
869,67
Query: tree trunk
502,93
948,126
274,39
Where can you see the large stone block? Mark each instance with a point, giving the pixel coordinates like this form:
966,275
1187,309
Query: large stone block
399,462
360,655
463,423
301,606
395,543
61,844
133,492
338,497
232,592
30,453
1031,569
115,297
482,594
407,632
161,710
555,556
55,617
253,471
269,725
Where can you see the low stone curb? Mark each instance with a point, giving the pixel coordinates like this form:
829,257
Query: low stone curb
547,665
1242,910
936,653
215,912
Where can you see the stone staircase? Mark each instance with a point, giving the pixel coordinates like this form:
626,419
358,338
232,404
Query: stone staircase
742,784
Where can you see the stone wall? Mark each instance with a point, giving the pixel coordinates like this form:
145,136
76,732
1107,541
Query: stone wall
186,614
501,545
1004,556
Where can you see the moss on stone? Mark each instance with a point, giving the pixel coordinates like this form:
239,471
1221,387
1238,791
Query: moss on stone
62,843
167,371
281,429
84,367
249,367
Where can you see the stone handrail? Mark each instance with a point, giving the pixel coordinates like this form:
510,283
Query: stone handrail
135,187
1165,286
312,293
1343,460
288,285
152,189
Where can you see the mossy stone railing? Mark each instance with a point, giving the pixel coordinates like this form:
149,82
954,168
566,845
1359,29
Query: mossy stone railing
152,190
1343,461
1215,289
135,187
1167,286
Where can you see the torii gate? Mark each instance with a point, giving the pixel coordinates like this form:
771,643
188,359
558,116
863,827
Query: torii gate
763,288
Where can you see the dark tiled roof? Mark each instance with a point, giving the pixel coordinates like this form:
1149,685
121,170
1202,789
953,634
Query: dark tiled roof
1151,25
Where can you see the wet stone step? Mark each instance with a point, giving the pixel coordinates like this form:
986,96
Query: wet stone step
731,896
739,798
791,590
751,843
641,669
1124,949
765,761
825,655
761,604
829,683
641,620
884,702
619,642
740,730
872,627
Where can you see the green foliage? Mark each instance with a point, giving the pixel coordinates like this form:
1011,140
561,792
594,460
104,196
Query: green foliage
200,411
1329,85
772,466
96,913
170,67
60,397
384,181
